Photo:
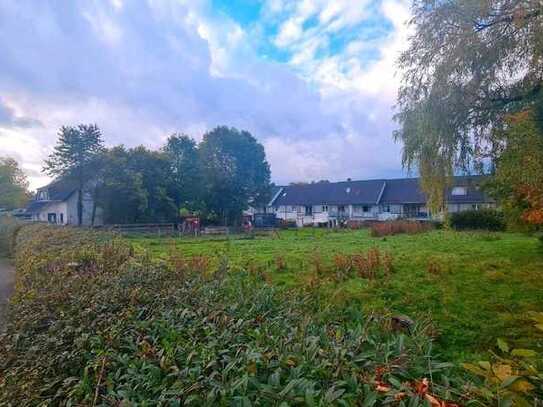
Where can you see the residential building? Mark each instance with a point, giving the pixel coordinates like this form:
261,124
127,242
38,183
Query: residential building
56,203
384,199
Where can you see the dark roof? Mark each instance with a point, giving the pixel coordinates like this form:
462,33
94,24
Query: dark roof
390,191
331,193
36,206
60,190
403,190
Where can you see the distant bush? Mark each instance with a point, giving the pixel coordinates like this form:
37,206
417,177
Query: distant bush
484,219
395,227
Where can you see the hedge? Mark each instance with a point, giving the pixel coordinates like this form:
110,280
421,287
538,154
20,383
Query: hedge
485,219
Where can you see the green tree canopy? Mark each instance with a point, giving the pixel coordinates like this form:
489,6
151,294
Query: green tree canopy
76,156
13,184
235,172
186,183
469,64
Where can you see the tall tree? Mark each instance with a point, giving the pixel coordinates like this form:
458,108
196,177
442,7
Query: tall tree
518,180
75,157
13,184
235,172
154,169
182,154
469,64
120,192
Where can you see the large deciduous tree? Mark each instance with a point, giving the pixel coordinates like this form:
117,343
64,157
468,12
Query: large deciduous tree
469,64
186,181
13,184
235,172
75,157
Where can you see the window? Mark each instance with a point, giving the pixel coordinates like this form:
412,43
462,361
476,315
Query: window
325,208
348,190
365,208
62,219
458,191
386,208
308,210
341,209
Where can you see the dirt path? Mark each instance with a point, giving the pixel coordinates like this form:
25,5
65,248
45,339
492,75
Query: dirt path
7,278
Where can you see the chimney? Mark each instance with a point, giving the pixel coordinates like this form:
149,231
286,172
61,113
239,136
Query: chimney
349,180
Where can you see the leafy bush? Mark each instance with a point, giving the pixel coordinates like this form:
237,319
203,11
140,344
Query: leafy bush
9,227
379,229
485,219
94,323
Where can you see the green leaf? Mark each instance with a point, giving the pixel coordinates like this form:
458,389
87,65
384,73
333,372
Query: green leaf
524,353
502,344
509,381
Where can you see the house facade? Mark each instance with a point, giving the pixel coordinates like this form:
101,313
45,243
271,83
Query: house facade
332,203
56,204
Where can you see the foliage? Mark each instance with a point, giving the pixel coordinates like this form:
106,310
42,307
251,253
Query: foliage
9,227
120,192
76,157
94,323
518,182
486,277
484,219
182,155
469,63
13,185
514,376
379,229
235,172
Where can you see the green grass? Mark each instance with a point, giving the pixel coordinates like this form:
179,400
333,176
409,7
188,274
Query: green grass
486,284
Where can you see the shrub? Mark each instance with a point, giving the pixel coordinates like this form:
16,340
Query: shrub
9,228
92,323
484,219
395,227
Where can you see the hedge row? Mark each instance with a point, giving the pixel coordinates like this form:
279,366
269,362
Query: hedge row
92,323
484,219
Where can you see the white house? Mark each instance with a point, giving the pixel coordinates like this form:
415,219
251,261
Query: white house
334,202
56,203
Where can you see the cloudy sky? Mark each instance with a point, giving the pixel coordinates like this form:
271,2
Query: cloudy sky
313,80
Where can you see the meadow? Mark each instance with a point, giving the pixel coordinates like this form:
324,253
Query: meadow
469,287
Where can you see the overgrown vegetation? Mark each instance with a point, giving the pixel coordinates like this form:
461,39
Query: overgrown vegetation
92,323
484,219
395,227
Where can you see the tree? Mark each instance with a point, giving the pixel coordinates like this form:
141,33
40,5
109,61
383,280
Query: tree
235,172
120,191
156,177
75,157
519,170
182,154
470,63
13,184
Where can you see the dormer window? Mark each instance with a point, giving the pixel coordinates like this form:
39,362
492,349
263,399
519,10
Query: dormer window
348,190
459,191
42,196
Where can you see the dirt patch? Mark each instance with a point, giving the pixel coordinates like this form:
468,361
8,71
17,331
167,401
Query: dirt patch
7,279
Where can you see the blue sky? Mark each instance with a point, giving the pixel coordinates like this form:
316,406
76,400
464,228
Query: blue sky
313,80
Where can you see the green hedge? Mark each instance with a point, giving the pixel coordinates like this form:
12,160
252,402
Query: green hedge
9,226
93,323
484,219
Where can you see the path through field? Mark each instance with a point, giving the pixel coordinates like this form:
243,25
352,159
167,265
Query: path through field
7,278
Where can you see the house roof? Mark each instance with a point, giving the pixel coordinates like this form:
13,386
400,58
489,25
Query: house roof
389,191
36,206
60,190
331,193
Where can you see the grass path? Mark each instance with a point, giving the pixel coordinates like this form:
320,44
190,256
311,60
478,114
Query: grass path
7,279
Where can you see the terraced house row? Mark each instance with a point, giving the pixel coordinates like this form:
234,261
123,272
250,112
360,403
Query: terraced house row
382,199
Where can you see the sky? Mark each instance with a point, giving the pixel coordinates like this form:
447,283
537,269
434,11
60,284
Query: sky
313,80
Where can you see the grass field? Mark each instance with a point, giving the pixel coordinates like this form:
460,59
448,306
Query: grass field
480,287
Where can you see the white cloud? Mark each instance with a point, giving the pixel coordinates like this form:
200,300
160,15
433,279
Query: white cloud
143,70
